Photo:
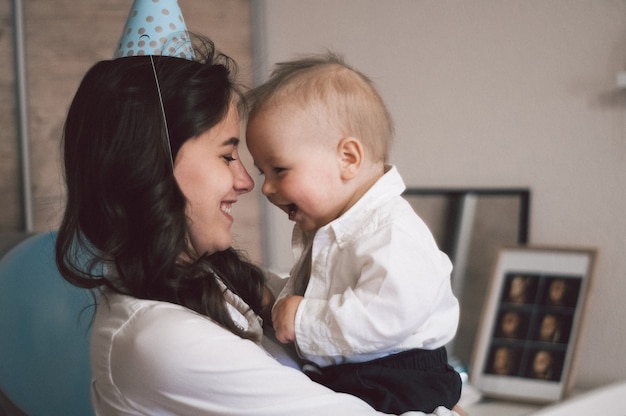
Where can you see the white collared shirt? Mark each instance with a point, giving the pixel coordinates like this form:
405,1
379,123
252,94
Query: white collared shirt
379,284
157,358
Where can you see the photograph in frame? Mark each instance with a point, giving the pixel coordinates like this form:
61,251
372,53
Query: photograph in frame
525,346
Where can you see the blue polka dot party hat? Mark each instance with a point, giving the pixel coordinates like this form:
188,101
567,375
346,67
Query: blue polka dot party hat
155,27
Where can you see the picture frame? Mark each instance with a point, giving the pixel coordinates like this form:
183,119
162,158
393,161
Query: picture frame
526,342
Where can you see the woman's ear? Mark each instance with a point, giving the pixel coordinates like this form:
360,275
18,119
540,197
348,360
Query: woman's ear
350,152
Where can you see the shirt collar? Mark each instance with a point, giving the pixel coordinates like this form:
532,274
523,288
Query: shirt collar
389,186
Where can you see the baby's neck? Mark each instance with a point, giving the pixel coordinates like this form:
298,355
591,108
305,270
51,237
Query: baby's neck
367,177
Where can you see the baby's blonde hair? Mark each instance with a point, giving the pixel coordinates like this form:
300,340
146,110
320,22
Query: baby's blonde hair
325,84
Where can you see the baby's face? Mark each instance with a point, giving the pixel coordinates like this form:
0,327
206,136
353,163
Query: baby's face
296,154
557,290
542,362
548,327
510,322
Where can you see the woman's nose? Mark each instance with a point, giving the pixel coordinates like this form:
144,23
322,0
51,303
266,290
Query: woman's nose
243,181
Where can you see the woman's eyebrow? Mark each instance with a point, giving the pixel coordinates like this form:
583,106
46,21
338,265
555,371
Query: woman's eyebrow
233,141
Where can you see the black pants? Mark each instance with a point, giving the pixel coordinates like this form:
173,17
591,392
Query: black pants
411,380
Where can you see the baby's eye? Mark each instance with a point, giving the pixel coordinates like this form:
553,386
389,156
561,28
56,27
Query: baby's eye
279,170
228,158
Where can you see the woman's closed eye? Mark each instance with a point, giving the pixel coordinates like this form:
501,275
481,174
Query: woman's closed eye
228,158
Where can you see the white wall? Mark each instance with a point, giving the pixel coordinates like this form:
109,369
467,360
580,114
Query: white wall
493,93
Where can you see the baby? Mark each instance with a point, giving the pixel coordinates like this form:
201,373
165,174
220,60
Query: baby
368,303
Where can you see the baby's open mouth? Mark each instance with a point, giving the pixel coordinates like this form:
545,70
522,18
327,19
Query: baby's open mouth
291,211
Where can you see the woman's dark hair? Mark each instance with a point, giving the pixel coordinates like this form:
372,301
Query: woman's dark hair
124,208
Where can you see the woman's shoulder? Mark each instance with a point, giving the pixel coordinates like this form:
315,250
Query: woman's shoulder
141,346
141,324
150,355
132,336
116,312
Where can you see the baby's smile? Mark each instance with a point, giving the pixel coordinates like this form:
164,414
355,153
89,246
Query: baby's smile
291,210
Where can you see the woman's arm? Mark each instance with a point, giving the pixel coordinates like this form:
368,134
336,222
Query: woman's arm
173,361
164,359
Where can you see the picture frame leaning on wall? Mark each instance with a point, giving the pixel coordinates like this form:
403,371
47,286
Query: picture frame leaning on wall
525,347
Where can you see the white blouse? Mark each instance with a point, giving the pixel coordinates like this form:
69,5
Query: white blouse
157,358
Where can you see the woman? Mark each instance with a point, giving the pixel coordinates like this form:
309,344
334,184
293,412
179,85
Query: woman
152,171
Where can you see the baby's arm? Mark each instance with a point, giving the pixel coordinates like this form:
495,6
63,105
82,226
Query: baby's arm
389,285
284,317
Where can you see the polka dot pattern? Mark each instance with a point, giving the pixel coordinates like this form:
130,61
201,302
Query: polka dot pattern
155,27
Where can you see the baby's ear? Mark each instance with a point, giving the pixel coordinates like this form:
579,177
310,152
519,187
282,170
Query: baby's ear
350,152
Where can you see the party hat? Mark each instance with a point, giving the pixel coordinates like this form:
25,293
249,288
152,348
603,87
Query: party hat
155,27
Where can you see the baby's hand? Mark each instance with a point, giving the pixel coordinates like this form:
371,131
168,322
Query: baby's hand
284,318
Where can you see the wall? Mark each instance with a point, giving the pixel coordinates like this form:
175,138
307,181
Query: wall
63,38
10,219
493,93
